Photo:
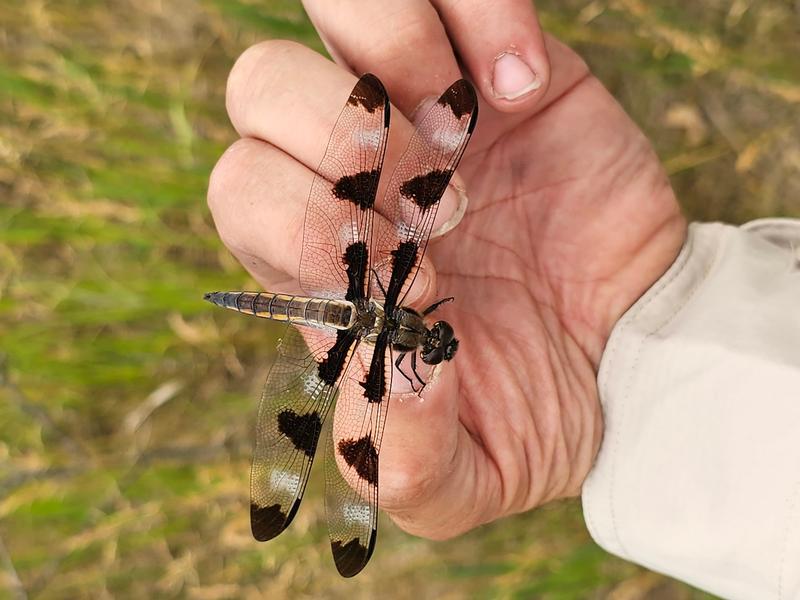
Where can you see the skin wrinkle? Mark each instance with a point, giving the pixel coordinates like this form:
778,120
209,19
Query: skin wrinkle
545,457
586,315
530,493
566,402
516,383
518,259
519,196
549,458
554,421
492,489
666,223
524,484
497,461
550,445
589,450
586,387
513,421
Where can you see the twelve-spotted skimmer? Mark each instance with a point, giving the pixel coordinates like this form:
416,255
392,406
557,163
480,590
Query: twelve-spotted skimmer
359,259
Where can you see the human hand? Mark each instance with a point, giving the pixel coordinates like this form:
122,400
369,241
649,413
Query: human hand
570,220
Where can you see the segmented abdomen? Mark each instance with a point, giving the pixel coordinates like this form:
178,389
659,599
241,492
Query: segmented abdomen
303,310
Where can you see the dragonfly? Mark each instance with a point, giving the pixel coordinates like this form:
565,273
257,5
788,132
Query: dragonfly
360,256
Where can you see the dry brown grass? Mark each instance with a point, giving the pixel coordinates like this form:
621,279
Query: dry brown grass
126,404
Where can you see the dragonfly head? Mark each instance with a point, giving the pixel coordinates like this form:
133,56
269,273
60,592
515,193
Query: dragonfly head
440,343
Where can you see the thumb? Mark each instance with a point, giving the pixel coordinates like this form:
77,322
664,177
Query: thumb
429,464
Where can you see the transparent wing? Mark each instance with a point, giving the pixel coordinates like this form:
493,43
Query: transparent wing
298,394
416,187
336,237
351,460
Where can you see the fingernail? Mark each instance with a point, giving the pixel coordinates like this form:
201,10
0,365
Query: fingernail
423,287
512,78
453,205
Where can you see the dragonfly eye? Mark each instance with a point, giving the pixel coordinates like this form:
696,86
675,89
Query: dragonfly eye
440,343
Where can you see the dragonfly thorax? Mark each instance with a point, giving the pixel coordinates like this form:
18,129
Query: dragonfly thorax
409,333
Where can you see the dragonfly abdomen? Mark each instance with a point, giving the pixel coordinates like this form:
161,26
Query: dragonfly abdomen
301,310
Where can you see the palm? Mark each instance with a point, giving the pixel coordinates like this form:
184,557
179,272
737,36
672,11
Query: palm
571,219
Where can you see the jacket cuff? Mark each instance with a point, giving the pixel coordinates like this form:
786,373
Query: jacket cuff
698,474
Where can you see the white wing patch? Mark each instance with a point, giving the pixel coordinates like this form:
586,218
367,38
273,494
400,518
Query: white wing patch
359,513
348,233
311,383
406,231
284,480
368,138
448,139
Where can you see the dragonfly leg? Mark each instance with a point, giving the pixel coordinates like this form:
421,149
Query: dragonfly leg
414,370
397,364
436,305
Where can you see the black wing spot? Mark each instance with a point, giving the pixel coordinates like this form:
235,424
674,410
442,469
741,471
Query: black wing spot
403,260
460,97
267,522
355,257
375,383
369,93
351,557
332,365
360,189
362,456
303,430
425,190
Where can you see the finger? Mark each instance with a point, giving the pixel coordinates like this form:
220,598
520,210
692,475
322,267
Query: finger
251,196
566,72
291,97
257,195
503,49
402,41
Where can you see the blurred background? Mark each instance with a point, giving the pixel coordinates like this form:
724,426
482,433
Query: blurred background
127,404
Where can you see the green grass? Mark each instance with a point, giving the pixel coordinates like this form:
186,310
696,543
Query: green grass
111,118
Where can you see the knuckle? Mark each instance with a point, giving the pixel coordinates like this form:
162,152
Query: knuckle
228,189
417,29
255,70
411,31
405,486
226,177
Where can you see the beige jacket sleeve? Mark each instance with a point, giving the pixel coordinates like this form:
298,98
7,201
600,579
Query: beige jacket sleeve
698,475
